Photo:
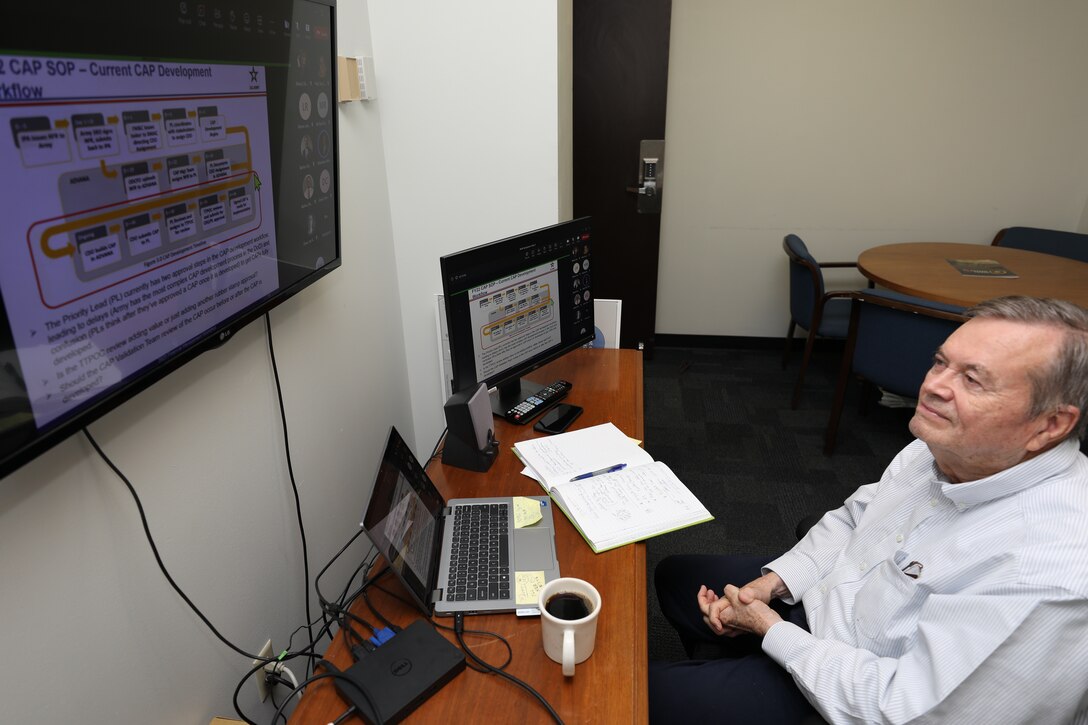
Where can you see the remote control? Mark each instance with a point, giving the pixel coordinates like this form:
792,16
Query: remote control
537,403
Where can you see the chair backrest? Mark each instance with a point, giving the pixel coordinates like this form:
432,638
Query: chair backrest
1048,241
891,343
806,281
896,335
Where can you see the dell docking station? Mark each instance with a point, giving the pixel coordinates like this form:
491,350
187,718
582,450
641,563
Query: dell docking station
397,677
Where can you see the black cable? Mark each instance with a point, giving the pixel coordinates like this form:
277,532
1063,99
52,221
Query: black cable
483,633
291,638
317,579
273,680
346,599
260,665
343,616
370,604
340,609
360,620
347,713
459,627
395,596
328,674
158,558
261,661
238,688
322,601
291,475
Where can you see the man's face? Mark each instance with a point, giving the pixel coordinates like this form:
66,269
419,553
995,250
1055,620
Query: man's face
973,405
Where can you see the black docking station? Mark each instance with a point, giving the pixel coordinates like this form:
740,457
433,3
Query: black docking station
397,677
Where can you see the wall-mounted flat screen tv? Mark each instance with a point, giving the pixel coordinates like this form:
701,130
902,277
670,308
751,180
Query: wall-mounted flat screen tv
169,173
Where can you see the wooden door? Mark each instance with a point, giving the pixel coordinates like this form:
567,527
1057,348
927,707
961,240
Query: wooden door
620,70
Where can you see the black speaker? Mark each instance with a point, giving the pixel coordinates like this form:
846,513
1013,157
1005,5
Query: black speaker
470,440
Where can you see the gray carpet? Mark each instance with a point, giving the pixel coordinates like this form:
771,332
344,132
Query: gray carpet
721,419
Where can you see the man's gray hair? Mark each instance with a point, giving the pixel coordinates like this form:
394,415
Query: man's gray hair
1065,380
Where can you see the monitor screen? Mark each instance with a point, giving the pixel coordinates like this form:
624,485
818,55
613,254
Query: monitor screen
515,304
169,173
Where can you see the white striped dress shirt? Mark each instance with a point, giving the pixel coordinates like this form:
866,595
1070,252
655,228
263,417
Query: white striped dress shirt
994,629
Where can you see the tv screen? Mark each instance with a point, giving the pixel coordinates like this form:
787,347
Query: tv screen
516,304
169,174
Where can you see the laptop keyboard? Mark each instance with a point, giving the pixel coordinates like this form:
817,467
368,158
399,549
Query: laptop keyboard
480,557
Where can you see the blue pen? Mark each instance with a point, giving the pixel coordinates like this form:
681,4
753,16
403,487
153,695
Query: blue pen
610,469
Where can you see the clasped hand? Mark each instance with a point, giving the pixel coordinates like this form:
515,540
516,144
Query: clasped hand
741,610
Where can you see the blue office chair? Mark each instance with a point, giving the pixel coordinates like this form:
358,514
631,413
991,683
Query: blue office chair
890,343
821,313
1047,241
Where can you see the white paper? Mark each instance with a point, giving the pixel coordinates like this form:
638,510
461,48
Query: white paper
559,458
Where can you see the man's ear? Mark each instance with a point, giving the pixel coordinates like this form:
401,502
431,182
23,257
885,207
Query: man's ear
1054,427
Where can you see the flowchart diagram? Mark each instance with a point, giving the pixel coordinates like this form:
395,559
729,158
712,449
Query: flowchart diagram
514,309
166,179
138,211
504,310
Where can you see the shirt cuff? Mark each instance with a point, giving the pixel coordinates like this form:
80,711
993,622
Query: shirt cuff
794,574
781,639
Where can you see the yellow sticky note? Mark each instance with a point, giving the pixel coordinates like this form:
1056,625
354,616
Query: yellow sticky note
526,511
527,585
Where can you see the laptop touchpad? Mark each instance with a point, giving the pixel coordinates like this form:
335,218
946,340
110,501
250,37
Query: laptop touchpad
533,550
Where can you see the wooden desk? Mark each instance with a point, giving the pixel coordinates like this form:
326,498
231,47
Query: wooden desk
921,269
609,687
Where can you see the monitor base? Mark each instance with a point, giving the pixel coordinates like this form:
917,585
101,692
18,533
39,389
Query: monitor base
506,397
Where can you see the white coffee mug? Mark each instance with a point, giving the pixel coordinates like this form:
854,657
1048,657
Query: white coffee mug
568,620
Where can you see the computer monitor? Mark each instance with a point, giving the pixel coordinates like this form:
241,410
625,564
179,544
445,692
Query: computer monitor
169,173
516,304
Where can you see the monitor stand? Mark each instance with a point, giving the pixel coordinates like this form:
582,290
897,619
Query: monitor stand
506,396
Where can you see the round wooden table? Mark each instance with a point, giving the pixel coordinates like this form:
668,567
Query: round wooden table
922,269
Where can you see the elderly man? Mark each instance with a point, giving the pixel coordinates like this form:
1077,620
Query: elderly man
954,589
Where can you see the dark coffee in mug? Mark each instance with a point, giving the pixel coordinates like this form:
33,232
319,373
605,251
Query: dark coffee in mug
568,605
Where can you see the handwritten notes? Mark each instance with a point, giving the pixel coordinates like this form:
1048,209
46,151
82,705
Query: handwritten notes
526,512
527,586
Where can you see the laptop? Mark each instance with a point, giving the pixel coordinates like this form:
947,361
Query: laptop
414,528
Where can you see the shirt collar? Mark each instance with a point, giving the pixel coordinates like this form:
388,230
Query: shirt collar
1020,477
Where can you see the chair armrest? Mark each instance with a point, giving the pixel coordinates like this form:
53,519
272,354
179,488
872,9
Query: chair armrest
837,264
838,293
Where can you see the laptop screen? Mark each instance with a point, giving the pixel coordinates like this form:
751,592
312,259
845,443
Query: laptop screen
402,519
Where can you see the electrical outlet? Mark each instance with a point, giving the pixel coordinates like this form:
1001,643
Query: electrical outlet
262,686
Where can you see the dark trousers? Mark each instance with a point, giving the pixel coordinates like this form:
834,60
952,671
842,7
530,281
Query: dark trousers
728,679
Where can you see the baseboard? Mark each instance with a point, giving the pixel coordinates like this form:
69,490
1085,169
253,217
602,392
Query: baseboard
737,342
719,341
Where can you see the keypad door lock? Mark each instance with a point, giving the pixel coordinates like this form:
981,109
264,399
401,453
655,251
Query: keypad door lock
650,176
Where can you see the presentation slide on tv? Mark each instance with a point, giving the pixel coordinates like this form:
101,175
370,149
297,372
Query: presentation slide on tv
139,218
504,313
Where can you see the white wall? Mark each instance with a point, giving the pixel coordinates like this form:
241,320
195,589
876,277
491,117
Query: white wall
92,631
470,120
855,123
